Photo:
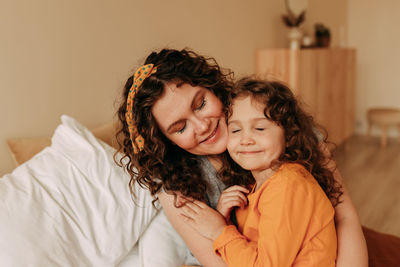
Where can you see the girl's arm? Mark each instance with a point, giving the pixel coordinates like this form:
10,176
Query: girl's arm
352,248
201,247
289,218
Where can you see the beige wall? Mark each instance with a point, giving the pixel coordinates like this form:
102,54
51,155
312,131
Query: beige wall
333,14
72,57
373,30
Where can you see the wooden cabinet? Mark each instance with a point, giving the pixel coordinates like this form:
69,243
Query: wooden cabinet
323,79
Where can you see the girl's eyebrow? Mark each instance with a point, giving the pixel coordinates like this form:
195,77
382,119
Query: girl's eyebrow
253,120
260,119
192,105
234,121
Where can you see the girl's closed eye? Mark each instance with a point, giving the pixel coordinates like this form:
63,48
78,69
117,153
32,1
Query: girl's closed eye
233,127
263,125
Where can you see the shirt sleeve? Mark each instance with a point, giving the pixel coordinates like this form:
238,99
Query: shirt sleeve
286,207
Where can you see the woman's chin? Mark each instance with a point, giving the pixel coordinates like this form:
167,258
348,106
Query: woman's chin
211,149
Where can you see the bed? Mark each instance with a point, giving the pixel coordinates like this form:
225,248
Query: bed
68,204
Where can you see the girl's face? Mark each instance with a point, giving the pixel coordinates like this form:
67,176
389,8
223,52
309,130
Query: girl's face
254,141
192,118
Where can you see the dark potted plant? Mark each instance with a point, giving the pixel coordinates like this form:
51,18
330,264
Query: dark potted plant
322,35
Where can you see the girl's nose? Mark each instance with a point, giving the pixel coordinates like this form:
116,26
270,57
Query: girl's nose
246,140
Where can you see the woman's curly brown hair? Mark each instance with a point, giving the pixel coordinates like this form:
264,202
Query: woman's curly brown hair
302,142
161,164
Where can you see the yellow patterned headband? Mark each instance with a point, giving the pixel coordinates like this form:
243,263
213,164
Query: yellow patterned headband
140,75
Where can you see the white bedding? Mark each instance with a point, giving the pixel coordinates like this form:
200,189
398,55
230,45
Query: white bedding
70,205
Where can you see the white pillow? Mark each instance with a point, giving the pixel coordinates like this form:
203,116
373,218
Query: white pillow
70,205
162,238
160,245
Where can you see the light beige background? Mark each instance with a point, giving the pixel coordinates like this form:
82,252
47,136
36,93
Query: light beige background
73,57
373,28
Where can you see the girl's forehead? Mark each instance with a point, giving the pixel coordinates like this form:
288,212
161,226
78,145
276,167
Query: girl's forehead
248,100
241,105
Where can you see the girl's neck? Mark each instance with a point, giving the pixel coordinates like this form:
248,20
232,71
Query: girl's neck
215,161
262,176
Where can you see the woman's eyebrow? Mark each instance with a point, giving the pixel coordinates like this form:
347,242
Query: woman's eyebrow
169,130
192,105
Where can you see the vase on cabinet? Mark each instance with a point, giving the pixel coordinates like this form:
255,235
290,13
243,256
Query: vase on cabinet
294,36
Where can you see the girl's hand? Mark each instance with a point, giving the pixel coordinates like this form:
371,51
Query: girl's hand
204,219
233,196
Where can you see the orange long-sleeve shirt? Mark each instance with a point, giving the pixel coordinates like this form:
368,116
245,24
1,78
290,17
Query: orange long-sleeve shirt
288,222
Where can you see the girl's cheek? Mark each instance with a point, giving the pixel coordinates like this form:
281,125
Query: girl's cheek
231,143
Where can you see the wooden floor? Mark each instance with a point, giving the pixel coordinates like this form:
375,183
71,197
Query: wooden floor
372,176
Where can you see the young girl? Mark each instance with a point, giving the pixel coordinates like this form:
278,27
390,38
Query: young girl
173,134
289,218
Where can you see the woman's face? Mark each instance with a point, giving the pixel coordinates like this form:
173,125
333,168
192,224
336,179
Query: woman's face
192,118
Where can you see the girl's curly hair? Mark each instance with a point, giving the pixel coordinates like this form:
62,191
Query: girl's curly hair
161,164
302,142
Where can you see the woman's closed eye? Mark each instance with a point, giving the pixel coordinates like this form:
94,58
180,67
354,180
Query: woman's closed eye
182,129
201,105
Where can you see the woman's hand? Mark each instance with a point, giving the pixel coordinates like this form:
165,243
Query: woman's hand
233,196
201,247
204,219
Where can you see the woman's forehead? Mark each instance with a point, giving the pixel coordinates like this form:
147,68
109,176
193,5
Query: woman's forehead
176,94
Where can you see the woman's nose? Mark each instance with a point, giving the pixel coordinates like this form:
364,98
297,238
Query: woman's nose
202,124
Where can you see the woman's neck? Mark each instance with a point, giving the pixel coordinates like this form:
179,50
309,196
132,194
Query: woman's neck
215,162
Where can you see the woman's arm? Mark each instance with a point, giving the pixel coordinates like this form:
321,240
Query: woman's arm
201,247
352,248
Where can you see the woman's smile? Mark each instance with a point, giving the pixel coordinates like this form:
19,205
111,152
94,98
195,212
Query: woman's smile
213,136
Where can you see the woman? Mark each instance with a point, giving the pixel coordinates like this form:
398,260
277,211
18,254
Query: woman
174,132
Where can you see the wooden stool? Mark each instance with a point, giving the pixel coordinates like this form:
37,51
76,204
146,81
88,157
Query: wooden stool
384,118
